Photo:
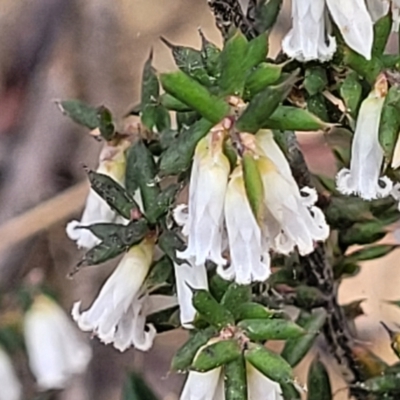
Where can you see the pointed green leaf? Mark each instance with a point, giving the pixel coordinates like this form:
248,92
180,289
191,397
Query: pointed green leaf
316,105
319,386
178,156
233,69
214,355
370,253
196,96
234,296
80,112
257,50
171,103
160,272
235,380
185,355
296,349
261,107
270,364
211,310
162,203
382,30
351,91
255,311
270,329
290,118
135,388
315,80
169,242
254,185
267,13
106,124
190,61
211,56
112,193
368,69
389,126
265,75
141,173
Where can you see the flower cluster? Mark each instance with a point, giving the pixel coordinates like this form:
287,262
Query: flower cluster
221,216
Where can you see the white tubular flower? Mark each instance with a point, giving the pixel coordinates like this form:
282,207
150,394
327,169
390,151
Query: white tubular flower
209,178
204,386
55,350
249,261
307,40
119,312
189,277
354,23
363,178
112,162
290,218
10,385
260,387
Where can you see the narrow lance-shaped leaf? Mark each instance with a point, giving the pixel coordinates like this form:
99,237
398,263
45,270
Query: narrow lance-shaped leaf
178,156
270,364
211,310
267,13
211,56
196,96
351,91
382,30
264,75
235,380
160,272
319,386
185,355
315,80
235,296
88,116
141,173
169,242
80,112
316,105
149,94
112,193
162,203
190,61
255,311
253,185
216,354
290,118
171,103
261,107
296,349
370,252
106,124
389,126
135,388
270,329
233,69
257,51
368,69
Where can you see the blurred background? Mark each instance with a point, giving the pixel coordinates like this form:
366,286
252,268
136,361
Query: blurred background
94,50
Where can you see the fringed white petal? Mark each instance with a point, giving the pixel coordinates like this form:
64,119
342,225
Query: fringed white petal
11,388
307,40
249,263
355,24
363,177
260,387
118,294
201,385
189,277
55,350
